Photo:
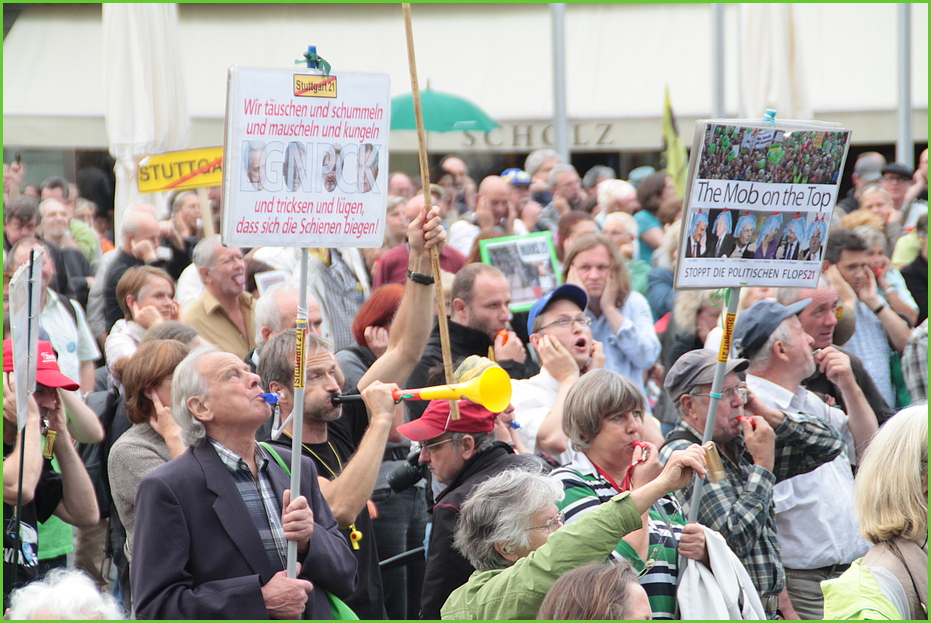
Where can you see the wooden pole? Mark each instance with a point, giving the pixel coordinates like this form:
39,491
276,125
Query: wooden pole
428,201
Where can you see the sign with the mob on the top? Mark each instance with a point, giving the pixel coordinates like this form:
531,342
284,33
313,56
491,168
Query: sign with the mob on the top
305,158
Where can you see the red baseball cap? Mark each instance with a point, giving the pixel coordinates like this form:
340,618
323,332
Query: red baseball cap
47,371
473,418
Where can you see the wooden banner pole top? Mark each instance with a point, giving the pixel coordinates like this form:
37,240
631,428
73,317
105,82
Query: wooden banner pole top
428,202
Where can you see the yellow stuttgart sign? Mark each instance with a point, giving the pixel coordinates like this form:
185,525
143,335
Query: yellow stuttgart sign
180,170
314,86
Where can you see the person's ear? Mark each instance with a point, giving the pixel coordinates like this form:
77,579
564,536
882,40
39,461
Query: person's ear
781,352
467,447
459,306
265,332
286,401
506,552
196,406
204,274
535,339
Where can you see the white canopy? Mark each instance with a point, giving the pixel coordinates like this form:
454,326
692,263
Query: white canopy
619,59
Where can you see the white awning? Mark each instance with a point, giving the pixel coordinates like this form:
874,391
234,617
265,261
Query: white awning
619,59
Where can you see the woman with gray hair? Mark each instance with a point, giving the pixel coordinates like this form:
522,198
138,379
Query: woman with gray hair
510,530
603,417
891,502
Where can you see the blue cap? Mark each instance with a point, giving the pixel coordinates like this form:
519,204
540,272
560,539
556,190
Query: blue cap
517,177
566,291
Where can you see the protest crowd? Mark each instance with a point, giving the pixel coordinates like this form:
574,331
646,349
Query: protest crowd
155,458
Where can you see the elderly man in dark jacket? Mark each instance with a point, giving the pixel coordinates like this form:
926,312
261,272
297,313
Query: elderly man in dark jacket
460,454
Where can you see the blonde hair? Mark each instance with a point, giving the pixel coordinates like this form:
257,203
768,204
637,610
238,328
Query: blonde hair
689,304
889,496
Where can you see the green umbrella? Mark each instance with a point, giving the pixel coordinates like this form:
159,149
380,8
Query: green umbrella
442,112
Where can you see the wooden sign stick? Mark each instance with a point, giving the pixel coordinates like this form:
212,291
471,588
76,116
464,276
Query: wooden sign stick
428,201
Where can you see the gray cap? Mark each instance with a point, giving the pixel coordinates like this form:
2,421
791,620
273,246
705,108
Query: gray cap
696,367
757,323
869,169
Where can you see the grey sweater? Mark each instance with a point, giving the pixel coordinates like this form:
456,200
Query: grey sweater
136,453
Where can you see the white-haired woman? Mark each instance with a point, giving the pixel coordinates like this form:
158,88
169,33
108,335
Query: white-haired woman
510,530
603,418
891,499
62,594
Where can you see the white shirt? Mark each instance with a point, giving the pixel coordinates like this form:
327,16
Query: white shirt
74,344
815,520
532,399
189,287
462,235
123,341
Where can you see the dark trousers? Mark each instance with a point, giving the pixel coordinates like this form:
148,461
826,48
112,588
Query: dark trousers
400,527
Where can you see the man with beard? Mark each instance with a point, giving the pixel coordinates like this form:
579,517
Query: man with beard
347,442
223,315
816,527
481,296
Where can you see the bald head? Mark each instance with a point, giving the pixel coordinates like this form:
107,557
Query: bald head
495,192
140,231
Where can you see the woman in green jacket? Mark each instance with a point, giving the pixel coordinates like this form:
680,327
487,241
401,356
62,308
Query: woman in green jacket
510,530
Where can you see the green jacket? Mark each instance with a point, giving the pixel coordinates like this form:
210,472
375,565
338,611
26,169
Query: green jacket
857,596
516,592
86,240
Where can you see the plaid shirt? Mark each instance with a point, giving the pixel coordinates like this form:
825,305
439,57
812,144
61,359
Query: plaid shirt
915,363
740,507
260,499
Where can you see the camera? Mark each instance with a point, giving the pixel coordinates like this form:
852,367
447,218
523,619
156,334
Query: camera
407,474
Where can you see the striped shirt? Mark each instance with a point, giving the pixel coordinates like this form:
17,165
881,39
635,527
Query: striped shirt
264,507
586,489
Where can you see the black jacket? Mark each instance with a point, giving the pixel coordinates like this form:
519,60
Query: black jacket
446,569
463,341
819,384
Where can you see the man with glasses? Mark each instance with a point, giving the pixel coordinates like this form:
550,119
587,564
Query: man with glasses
765,447
815,521
897,179
460,454
560,332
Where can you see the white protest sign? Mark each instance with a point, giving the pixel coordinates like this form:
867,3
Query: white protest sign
305,162
759,203
25,288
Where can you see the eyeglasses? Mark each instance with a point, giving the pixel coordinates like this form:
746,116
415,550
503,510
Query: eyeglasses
552,524
734,390
430,446
566,322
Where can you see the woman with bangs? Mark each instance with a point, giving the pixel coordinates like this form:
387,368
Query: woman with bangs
146,297
603,418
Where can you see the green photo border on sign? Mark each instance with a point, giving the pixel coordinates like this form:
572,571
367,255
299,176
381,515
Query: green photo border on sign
528,280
